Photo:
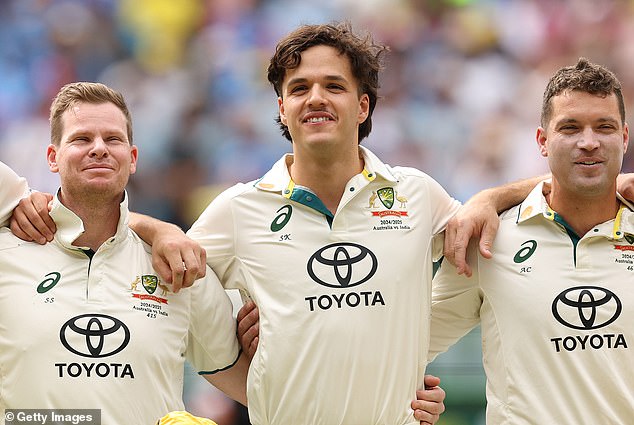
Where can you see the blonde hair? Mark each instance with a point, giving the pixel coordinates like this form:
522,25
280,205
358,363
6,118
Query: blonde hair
73,93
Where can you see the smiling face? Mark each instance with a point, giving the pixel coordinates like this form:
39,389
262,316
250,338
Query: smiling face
94,157
320,101
584,142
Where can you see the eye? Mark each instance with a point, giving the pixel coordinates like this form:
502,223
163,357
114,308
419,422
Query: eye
297,89
568,128
336,87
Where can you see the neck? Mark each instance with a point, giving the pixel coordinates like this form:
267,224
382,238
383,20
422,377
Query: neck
582,214
99,216
326,177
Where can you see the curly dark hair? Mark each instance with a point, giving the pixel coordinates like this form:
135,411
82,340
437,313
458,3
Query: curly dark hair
365,58
584,76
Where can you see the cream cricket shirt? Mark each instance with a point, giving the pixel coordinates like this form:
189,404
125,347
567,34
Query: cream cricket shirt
557,318
12,189
103,333
344,301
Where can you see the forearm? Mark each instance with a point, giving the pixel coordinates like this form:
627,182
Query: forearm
233,381
508,195
177,259
148,227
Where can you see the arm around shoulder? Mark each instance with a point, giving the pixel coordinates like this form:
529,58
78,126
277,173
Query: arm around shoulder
625,185
31,220
177,258
478,217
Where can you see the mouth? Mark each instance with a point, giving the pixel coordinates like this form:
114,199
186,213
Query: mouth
588,162
99,167
318,117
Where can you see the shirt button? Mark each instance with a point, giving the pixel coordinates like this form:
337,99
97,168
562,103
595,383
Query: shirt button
309,198
352,189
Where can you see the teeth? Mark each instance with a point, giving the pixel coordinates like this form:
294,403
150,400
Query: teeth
588,162
320,119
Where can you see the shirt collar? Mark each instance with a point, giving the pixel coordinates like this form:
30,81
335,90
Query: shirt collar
70,226
535,204
278,179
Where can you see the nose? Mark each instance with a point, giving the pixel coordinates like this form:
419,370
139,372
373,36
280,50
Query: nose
589,140
99,148
316,95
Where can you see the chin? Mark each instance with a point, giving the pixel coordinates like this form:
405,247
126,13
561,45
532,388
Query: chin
593,188
102,189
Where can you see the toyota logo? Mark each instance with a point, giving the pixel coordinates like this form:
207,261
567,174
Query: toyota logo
94,335
586,307
342,265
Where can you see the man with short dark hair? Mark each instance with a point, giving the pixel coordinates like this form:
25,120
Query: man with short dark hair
554,302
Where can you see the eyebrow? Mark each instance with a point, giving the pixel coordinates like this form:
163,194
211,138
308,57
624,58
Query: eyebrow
600,120
91,133
301,80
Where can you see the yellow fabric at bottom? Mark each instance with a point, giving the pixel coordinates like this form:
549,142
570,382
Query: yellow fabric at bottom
180,418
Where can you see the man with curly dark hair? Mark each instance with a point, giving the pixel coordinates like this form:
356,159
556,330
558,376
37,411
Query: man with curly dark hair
334,246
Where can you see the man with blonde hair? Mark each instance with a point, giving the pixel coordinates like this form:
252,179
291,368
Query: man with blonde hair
85,321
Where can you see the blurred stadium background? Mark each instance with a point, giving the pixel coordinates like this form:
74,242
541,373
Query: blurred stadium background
461,101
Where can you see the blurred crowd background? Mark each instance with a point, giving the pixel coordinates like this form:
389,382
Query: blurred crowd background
461,98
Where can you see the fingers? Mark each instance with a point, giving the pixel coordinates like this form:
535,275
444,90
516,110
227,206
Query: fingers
430,399
249,342
172,269
16,229
179,272
247,308
179,261
423,415
202,262
449,242
161,267
431,381
489,231
457,237
625,185
31,220
248,328
185,270
193,265
425,418
429,404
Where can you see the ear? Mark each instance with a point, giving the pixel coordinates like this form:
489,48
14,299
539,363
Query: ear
541,141
51,157
626,137
364,107
134,154
280,106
